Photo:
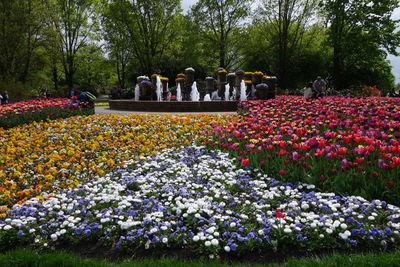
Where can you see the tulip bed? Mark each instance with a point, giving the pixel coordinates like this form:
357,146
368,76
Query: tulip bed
285,175
12,115
350,146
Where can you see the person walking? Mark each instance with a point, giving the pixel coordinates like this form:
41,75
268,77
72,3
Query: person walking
319,87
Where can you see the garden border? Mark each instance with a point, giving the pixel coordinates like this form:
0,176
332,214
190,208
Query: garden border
173,106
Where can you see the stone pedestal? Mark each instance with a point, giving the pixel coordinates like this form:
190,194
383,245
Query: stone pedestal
189,80
231,81
262,91
271,82
249,87
222,81
146,90
154,82
238,81
257,78
248,76
164,82
210,85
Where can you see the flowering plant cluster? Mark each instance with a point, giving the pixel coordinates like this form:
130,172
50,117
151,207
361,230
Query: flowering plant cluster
371,91
143,77
101,104
342,145
57,154
221,70
200,200
19,113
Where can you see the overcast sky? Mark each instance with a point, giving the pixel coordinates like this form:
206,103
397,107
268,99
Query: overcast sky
395,61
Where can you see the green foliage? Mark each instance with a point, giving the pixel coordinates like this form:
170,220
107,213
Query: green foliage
218,22
58,44
148,26
361,32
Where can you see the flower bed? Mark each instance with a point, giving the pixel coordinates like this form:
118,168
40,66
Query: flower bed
19,113
200,200
40,156
343,145
101,104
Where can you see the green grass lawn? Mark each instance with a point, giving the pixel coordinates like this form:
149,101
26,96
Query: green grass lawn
21,257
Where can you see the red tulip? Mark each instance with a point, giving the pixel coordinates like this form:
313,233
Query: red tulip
279,214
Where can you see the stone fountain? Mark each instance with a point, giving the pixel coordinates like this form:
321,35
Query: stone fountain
222,93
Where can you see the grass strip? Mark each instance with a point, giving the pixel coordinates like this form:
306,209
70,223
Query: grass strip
22,257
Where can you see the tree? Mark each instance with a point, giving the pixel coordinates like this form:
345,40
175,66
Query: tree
352,20
259,52
93,69
218,20
150,27
20,27
74,21
287,22
118,45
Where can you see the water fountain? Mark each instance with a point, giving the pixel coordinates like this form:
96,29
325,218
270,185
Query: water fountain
221,93
178,93
194,94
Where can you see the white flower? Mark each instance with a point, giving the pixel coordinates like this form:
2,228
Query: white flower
305,206
343,226
232,224
329,230
227,248
343,236
287,230
207,243
196,238
54,237
214,242
7,227
165,240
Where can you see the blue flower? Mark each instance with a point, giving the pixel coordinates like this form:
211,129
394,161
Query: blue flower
233,247
20,234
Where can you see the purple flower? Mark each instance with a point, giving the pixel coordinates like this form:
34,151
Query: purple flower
20,234
388,231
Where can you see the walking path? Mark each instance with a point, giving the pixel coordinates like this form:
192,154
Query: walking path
107,110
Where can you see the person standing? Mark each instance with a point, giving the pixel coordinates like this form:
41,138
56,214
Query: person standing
4,98
319,87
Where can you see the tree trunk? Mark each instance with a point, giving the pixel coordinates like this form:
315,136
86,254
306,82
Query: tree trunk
222,52
55,77
118,73
337,37
123,75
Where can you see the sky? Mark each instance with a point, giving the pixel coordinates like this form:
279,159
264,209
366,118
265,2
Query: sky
394,61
